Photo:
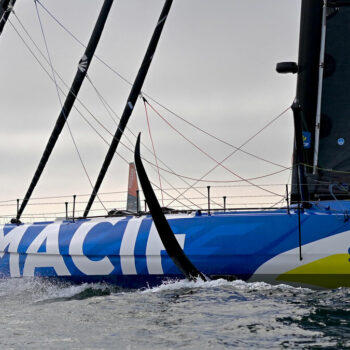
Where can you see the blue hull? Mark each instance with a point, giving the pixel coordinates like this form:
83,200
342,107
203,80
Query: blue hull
252,246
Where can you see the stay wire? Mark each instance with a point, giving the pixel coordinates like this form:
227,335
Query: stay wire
156,101
76,108
165,189
128,82
221,163
154,150
169,170
60,101
101,135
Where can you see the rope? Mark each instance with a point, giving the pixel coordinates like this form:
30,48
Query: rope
60,101
326,170
167,170
154,150
164,189
80,113
171,172
123,200
157,102
220,163
182,177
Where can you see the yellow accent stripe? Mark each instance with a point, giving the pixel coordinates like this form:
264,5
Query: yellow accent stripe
330,272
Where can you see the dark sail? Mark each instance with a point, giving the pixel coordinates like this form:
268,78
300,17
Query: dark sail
131,101
5,10
324,95
332,176
70,99
308,74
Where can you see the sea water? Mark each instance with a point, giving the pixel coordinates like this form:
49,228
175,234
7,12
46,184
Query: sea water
42,314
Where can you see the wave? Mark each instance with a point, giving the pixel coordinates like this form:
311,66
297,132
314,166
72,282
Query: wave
171,285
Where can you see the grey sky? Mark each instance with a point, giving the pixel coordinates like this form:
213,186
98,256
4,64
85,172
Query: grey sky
215,66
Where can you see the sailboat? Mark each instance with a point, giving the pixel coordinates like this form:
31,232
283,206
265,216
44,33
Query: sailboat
307,242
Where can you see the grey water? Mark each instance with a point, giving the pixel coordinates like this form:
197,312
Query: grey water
176,315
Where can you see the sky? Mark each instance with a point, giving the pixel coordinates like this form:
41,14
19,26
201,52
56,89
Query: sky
214,67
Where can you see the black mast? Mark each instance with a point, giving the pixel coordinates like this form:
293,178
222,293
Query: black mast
324,96
307,85
70,99
5,10
131,101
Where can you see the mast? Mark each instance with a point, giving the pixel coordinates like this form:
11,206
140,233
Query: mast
70,99
307,83
131,101
324,95
5,10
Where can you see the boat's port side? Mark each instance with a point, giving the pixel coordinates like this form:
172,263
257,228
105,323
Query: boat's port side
261,246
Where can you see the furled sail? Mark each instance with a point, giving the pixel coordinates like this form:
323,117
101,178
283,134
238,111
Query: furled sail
324,94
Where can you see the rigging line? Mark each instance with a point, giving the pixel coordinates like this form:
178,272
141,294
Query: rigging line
58,75
154,151
247,141
76,108
108,109
179,176
124,192
235,152
108,66
279,202
123,200
126,161
147,148
153,99
108,144
219,181
218,163
170,171
131,100
221,140
46,60
52,79
103,101
328,170
105,104
60,101
82,44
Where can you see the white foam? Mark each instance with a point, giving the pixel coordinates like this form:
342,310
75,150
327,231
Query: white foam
35,289
237,284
